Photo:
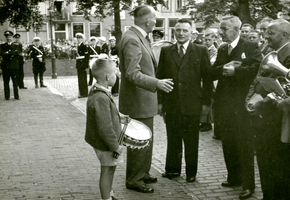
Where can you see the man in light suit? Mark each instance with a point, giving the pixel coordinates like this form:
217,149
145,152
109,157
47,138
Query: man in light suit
187,64
273,156
138,97
235,68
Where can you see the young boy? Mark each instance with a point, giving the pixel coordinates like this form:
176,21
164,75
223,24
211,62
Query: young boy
104,123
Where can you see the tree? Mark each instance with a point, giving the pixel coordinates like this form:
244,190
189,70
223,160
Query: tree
22,13
249,11
105,8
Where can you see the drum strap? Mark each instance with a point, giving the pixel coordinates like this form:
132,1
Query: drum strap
94,50
38,50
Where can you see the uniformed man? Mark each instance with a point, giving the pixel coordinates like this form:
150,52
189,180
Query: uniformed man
113,53
157,35
104,46
38,61
9,66
20,75
82,65
94,50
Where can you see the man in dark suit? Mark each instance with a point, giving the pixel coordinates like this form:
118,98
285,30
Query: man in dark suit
235,68
37,54
82,65
20,75
9,66
138,97
273,155
93,50
187,64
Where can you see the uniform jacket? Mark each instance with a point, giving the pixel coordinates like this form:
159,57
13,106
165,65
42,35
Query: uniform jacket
231,91
97,49
82,50
105,48
9,54
138,96
103,126
34,53
20,56
187,95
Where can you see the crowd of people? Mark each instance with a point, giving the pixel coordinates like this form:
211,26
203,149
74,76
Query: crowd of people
192,82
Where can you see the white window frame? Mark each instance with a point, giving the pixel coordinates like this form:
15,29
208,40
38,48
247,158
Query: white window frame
72,28
101,28
65,31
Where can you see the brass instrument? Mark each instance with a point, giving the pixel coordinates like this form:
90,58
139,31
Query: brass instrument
271,64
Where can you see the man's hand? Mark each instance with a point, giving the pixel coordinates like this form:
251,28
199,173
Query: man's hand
229,68
118,152
165,85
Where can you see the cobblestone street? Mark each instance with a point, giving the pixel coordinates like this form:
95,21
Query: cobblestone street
44,155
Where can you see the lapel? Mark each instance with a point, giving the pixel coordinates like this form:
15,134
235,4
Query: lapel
188,55
145,44
238,50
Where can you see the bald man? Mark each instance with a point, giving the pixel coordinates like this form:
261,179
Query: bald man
138,97
273,156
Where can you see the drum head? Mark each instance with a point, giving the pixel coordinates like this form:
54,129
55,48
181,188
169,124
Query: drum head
137,130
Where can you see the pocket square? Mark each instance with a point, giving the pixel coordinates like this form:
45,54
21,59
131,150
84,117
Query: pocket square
243,55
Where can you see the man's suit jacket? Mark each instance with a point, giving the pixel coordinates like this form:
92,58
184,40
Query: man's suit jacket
82,50
232,90
9,53
138,83
187,95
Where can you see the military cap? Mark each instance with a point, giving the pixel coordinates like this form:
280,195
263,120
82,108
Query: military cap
16,35
158,33
112,38
8,33
36,39
103,38
93,38
80,35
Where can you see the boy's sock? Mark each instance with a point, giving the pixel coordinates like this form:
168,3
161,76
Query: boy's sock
112,193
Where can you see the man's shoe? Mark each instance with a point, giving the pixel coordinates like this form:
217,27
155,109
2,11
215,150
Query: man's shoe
216,137
43,85
143,188
7,99
82,96
17,98
246,194
205,127
22,87
190,179
36,86
170,175
151,179
230,184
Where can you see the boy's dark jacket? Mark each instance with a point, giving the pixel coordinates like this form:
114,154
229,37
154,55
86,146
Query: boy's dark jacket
103,121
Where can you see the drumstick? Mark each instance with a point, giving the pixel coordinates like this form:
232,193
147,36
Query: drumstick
122,135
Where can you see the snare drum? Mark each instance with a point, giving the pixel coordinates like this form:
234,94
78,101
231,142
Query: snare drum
137,135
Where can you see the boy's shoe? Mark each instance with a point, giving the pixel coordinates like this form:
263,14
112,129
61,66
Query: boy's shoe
205,127
43,85
113,198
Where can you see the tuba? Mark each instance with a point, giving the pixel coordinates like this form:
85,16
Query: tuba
271,64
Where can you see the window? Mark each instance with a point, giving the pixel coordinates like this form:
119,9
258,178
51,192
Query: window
95,29
77,28
179,4
167,6
75,10
159,23
172,23
59,31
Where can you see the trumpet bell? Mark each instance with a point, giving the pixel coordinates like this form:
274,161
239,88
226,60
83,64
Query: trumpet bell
270,63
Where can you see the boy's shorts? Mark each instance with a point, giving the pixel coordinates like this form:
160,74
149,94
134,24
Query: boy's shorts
106,158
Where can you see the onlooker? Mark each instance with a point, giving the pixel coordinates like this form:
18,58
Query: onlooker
113,53
137,92
20,75
255,36
273,156
187,64
9,65
235,68
94,50
245,30
103,45
157,35
103,126
82,65
37,54
265,49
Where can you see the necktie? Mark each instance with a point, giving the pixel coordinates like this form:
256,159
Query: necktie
181,52
148,40
230,48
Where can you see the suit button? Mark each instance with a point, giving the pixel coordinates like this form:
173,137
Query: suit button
179,83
